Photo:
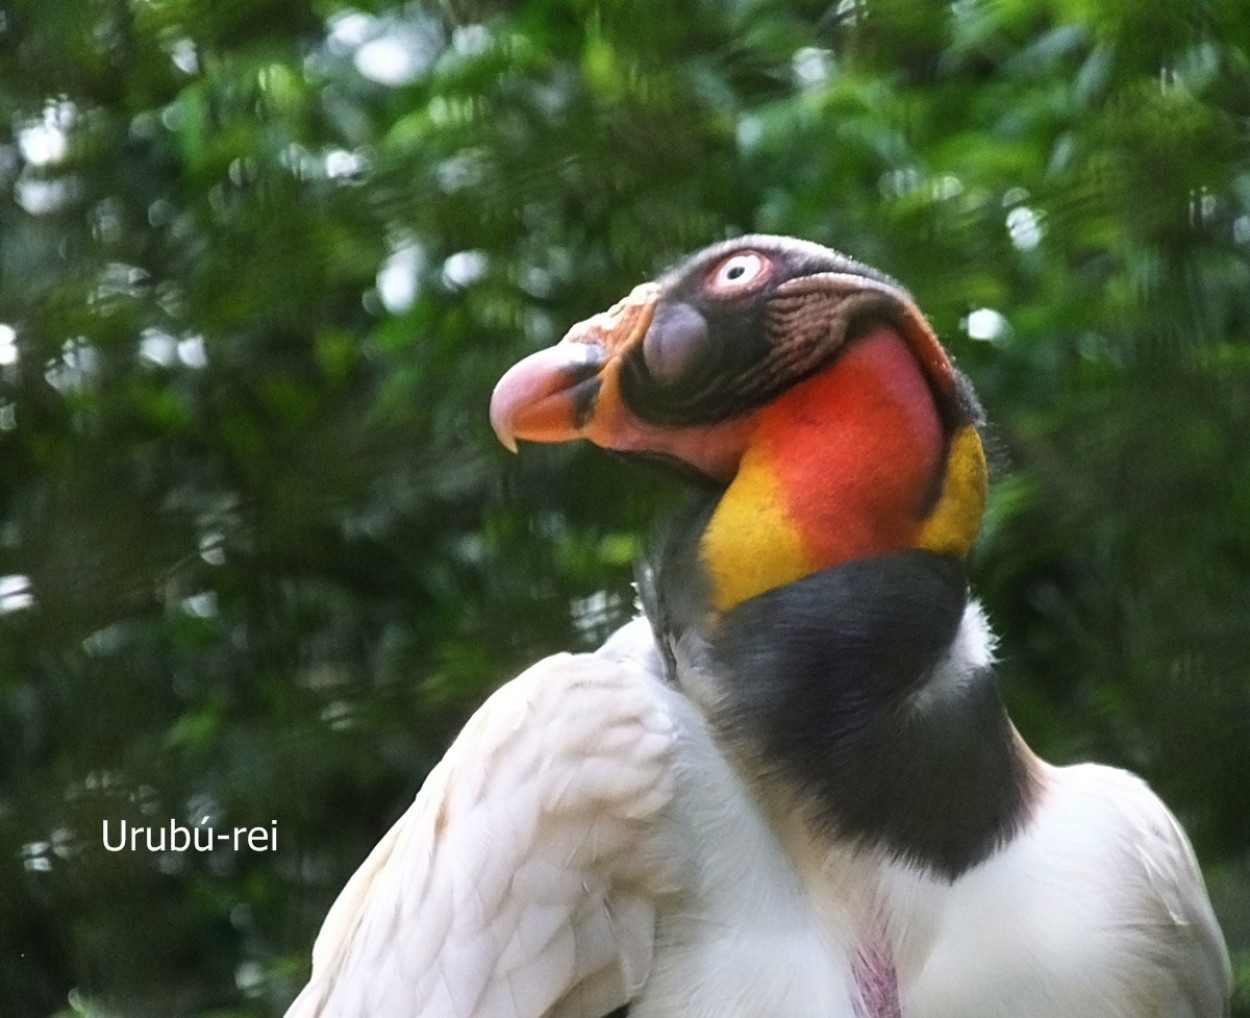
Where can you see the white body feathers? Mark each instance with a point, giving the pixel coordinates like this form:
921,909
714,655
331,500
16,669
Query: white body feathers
586,843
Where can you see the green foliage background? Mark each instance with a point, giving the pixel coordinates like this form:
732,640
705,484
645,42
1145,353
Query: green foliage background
261,263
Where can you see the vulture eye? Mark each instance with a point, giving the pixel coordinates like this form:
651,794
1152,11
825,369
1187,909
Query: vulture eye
739,273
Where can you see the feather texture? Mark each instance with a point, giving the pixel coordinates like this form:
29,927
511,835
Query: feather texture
588,843
523,880
1096,909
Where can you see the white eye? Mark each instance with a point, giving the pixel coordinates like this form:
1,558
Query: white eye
739,272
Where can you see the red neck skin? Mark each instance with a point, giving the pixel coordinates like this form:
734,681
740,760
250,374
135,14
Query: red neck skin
856,451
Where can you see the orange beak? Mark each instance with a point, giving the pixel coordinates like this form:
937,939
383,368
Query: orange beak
572,390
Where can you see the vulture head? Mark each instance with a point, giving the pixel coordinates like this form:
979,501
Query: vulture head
806,385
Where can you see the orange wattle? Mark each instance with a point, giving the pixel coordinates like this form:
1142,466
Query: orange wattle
845,464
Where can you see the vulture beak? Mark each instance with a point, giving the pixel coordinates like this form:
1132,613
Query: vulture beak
571,390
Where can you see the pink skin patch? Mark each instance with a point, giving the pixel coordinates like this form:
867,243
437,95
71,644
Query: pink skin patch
876,982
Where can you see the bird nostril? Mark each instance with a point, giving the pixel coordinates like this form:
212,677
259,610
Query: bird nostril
677,338
585,360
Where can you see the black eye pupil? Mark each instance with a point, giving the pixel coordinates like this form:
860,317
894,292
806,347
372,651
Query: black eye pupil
735,272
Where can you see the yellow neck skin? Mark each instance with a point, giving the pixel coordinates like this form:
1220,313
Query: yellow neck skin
751,545
844,466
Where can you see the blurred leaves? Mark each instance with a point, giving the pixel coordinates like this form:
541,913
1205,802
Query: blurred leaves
261,263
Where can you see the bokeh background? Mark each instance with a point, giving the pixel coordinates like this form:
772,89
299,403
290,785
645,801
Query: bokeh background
261,262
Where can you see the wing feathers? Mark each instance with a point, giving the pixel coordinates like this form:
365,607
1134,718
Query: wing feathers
521,882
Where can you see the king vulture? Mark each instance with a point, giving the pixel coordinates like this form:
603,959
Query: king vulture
791,789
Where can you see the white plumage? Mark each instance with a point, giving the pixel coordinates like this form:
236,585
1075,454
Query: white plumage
586,843
527,873
806,800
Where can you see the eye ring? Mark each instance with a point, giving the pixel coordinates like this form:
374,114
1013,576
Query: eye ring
739,273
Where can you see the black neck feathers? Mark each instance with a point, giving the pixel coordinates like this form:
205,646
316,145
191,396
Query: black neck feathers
843,685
